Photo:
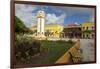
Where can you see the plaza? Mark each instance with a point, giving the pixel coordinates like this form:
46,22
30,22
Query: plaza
88,49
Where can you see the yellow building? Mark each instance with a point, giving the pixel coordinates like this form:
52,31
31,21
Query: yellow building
51,30
88,29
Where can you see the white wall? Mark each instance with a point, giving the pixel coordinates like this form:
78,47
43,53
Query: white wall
5,34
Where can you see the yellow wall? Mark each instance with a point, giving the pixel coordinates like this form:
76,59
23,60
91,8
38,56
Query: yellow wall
56,29
84,28
87,24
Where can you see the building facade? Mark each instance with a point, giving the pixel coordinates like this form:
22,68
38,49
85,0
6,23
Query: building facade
72,31
88,30
51,30
42,30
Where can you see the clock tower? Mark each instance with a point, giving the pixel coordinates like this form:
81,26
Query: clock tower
40,23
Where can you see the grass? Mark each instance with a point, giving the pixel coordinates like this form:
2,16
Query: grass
55,50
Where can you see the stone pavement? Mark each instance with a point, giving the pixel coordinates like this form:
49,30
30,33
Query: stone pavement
66,39
88,49
66,58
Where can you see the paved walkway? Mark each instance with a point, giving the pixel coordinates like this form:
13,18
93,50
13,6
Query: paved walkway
66,39
87,46
66,58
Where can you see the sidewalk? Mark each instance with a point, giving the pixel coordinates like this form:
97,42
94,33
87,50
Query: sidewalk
66,58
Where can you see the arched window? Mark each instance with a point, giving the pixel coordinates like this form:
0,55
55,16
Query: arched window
87,28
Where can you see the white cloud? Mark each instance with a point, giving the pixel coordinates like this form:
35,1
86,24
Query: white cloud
92,19
76,23
24,12
52,18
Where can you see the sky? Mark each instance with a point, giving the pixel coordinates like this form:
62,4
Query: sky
54,14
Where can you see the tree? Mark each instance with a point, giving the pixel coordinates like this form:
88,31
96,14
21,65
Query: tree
47,33
20,27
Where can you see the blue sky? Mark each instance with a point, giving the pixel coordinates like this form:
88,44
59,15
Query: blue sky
54,14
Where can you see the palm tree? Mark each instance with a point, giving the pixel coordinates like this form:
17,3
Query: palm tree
47,33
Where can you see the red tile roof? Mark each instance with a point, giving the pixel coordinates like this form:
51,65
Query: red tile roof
71,25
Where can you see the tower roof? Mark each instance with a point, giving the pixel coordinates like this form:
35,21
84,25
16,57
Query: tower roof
40,13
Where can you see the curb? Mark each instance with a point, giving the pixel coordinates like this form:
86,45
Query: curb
66,58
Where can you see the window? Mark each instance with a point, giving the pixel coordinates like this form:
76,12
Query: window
83,28
87,35
87,28
83,36
92,27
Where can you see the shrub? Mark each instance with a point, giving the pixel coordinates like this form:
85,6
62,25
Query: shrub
26,47
61,41
70,41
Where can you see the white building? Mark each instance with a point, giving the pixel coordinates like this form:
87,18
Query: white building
40,23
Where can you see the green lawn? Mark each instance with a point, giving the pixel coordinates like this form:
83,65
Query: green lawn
50,51
55,50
